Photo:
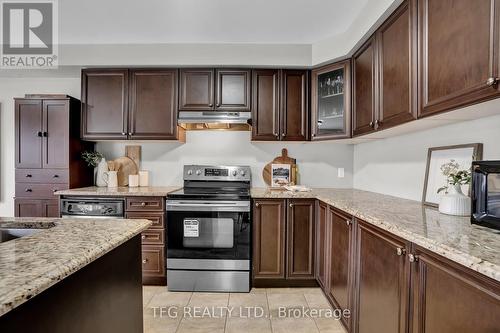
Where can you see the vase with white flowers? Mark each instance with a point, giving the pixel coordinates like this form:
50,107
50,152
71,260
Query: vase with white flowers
454,201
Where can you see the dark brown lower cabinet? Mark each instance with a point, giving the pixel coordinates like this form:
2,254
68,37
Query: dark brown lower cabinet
339,233
283,242
382,281
300,239
322,243
449,298
36,208
269,239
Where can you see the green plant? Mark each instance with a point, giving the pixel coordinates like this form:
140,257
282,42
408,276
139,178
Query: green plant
92,158
454,175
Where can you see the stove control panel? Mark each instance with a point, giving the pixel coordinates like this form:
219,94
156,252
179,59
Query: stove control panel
221,173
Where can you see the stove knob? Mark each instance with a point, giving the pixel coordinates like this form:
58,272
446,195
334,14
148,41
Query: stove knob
190,172
242,173
235,173
198,172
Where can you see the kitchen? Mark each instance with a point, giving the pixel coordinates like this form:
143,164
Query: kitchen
365,115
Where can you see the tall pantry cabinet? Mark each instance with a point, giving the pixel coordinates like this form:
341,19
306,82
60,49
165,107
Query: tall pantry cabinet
47,153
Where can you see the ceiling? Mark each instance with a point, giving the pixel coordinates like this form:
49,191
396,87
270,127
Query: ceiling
204,21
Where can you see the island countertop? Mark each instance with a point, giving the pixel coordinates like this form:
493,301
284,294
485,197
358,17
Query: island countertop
31,264
122,191
452,237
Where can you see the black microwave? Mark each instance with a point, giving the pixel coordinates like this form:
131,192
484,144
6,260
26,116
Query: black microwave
485,193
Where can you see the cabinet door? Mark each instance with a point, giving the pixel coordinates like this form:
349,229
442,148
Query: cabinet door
265,105
382,278
397,48
458,54
339,256
364,93
28,124
51,208
269,239
104,104
331,101
196,90
294,105
232,90
449,298
300,239
322,244
55,134
29,208
153,104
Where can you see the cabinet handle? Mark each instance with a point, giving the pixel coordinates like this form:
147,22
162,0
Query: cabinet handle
400,251
144,261
55,176
211,104
378,123
371,124
412,258
129,133
124,133
217,105
143,204
28,190
314,135
257,204
276,134
492,81
28,176
283,135
45,134
39,134
348,222
291,205
143,237
54,190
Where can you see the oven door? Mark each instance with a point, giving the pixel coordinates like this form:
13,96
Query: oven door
199,229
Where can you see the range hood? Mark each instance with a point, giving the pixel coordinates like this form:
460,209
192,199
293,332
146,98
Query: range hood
209,120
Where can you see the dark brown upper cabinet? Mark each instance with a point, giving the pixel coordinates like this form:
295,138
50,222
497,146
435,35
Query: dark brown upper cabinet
29,131
331,101
448,297
300,239
130,104
266,106
322,244
196,90
459,53
232,88
280,105
397,65
104,104
153,104
364,88
214,90
56,137
382,281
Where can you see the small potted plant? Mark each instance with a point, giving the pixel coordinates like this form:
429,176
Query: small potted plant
94,159
454,201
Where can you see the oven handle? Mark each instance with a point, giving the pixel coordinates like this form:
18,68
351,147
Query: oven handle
208,206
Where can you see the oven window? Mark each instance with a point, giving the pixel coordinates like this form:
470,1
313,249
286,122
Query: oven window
208,232
493,194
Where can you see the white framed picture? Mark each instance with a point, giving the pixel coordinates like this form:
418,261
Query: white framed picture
463,155
280,175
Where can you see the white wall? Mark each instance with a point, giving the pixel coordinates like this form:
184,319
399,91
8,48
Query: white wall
317,162
396,166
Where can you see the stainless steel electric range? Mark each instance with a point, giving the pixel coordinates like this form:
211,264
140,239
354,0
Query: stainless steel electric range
209,230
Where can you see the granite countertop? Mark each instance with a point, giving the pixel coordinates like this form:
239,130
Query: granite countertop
453,237
147,191
31,264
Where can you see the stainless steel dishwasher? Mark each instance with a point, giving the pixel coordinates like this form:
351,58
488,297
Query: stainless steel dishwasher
96,208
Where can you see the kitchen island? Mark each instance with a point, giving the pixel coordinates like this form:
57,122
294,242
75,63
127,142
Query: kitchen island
71,275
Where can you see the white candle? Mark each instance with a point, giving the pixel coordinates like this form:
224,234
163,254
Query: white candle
133,180
143,178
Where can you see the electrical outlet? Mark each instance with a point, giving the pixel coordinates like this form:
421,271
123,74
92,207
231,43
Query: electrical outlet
340,172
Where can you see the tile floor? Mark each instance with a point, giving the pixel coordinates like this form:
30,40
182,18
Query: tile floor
260,311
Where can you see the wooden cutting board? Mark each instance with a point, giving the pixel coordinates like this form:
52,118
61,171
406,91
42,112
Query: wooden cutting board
125,167
283,159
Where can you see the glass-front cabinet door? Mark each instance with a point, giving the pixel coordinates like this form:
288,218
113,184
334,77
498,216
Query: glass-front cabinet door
331,101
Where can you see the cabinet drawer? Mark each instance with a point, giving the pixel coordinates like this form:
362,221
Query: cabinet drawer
158,219
34,190
153,237
153,260
47,176
141,204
